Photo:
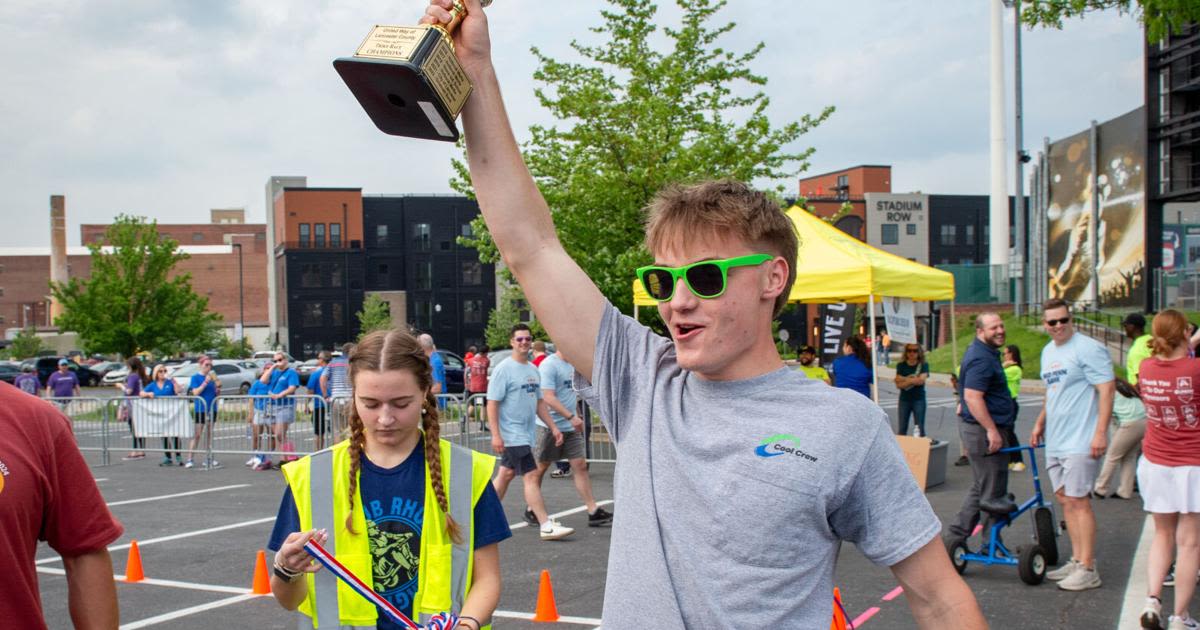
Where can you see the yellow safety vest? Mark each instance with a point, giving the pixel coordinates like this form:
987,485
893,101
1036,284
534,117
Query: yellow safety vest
320,488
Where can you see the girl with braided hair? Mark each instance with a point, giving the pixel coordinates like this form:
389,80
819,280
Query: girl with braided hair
412,515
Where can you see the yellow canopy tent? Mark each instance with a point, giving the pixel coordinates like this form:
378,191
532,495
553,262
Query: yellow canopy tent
832,267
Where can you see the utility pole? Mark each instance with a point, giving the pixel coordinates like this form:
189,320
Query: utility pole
1019,211
998,206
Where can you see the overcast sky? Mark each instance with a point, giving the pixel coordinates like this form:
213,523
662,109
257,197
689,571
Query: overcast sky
167,108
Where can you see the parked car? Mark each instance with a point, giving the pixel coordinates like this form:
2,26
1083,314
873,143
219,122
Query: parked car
45,366
9,371
455,369
305,370
104,367
235,377
116,375
270,354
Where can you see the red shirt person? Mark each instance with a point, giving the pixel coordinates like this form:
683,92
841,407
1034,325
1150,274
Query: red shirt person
47,493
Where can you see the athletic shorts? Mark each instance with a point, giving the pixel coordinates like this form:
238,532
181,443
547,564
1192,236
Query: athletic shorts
1074,474
1168,489
518,459
320,424
202,417
263,417
545,451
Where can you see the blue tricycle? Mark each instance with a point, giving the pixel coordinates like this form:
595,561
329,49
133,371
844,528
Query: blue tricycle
1031,560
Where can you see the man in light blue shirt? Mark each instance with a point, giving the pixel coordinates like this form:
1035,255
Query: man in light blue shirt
560,397
1078,374
514,400
439,367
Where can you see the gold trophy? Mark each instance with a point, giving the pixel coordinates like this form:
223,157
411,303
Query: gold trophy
408,79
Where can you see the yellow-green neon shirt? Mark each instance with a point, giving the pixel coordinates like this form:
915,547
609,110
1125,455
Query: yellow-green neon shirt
815,372
1012,374
1138,352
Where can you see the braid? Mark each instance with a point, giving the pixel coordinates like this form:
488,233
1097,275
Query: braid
433,457
358,439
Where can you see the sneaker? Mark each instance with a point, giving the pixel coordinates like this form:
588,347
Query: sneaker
166,462
1062,572
178,460
530,517
553,531
1170,579
962,461
559,473
1081,579
189,464
600,517
1152,614
211,464
133,456
252,462
1183,623
263,465
1017,467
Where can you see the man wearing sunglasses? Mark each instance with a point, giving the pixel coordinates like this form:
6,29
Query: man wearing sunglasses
1074,421
736,475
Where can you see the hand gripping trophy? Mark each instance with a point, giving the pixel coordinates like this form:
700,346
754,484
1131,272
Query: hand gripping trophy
408,79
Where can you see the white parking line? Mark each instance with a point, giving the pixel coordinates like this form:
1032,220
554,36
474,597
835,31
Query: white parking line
582,508
191,586
1135,588
508,614
220,603
180,494
151,541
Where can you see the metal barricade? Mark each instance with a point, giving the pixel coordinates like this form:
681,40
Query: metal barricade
600,447
162,424
89,423
272,429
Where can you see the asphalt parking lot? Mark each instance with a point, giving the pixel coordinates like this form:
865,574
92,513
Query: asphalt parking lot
199,531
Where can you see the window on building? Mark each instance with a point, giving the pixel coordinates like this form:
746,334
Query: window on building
312,315
949,235
319,235
467,231
1,291
335,234
310,276
381,235
889,233
337,315
424,280
910,229
335,275
472,273
472,311
969,234
197,237
383,275
261,236
421,237
423,314
304,235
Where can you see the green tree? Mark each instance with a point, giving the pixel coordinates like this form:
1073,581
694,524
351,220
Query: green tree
639,111
131,302
229,348
25,344
1158,16
508,314
375,315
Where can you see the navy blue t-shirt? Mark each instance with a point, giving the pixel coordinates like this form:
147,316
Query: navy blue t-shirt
982,371
850,373
393,501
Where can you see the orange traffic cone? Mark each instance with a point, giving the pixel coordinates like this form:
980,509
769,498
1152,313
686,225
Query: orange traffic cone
262,583
546,610
839,613
133,566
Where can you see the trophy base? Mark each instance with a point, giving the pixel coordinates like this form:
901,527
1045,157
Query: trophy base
398,97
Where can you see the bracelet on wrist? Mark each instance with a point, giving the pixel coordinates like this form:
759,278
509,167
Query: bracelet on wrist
285,573
463,618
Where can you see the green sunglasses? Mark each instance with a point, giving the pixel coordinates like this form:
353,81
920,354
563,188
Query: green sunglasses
706,279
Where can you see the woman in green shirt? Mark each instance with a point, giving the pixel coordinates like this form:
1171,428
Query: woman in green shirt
1012,372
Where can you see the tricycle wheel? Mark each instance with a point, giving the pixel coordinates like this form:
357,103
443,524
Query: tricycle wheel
957,548
1031,564
1043,520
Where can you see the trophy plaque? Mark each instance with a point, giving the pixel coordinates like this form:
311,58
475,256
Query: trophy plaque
408,79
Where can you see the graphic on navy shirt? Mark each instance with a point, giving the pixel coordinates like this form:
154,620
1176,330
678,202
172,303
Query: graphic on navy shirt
395,540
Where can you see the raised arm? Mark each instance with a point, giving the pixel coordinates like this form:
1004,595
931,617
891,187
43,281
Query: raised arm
566,301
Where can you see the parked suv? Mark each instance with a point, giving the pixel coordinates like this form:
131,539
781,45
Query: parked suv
45,366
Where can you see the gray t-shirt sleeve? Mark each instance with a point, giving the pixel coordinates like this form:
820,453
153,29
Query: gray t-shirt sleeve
624,366
884,513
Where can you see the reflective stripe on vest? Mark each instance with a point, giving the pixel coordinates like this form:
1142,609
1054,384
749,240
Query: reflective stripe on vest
461,506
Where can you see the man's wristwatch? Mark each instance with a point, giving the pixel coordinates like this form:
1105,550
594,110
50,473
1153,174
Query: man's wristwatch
286,574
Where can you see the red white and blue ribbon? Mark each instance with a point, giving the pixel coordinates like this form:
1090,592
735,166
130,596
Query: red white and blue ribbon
443,621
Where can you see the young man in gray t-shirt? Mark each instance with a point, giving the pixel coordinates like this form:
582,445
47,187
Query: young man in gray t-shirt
736,479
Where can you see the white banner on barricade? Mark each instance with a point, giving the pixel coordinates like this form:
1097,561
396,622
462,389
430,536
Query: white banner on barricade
901,321
162,417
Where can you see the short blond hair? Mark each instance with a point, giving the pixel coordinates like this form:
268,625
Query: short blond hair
718,210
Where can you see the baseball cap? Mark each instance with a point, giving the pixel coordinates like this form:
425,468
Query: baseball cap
64,362
808,349
1134,319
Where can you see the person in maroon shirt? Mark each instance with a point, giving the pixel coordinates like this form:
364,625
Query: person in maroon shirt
477,382
47,493
1169,471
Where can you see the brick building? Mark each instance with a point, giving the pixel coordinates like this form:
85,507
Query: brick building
828,192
